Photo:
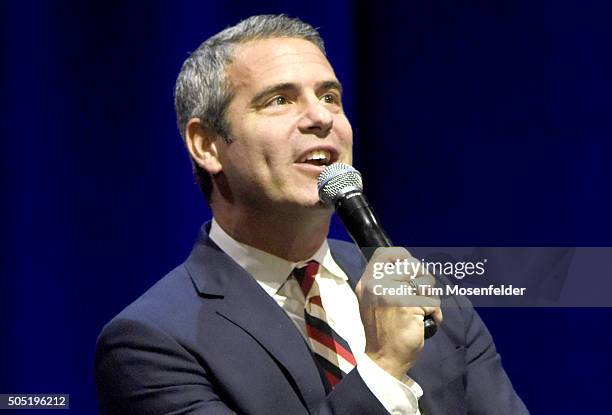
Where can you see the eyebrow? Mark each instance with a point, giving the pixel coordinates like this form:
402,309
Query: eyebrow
290,86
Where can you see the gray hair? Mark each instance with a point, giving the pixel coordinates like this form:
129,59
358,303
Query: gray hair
202,89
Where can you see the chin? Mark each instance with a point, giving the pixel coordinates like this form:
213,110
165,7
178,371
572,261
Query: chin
310,203
312,200
319,206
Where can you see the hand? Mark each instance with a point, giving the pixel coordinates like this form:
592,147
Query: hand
392,318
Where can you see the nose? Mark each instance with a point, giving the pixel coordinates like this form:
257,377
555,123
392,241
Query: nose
316,120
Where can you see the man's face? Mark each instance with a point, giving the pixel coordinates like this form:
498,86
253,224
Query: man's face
286,122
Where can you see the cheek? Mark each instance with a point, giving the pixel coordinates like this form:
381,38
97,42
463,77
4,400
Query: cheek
274,145
258,159
344,132
276,156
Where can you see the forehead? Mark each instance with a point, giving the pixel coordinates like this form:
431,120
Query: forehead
262,62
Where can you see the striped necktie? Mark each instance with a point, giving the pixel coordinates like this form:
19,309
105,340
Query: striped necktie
331,351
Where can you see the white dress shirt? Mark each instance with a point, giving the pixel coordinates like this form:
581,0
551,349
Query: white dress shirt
341,307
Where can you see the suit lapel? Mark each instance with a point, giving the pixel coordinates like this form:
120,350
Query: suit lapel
247,305
349,258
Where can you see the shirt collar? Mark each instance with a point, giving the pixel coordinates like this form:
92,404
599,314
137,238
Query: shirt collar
269,270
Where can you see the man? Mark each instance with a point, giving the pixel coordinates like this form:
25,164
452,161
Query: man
263,317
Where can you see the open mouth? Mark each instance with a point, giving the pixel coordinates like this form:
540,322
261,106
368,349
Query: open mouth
318,158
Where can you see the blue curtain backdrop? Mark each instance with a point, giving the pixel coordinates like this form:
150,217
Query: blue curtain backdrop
477,123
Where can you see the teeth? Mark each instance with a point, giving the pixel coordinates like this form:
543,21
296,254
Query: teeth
318,155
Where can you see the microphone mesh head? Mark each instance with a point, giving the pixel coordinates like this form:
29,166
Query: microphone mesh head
334,179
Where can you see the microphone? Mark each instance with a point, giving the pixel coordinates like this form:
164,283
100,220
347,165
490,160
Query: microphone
340,185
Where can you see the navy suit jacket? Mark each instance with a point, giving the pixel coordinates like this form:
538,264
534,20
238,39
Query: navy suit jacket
207,339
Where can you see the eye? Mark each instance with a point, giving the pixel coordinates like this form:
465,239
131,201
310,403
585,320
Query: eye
331,98
276,101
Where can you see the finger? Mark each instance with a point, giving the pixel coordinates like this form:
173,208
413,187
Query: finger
435,313
390,254
426,280
388,293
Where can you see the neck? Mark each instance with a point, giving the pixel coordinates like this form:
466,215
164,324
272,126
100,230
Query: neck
294,237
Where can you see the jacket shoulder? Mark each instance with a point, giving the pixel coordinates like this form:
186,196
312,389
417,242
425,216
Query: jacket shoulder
169,307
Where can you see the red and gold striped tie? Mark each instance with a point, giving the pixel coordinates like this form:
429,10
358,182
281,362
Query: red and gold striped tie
331,351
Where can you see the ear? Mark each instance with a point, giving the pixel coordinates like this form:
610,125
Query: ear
202,145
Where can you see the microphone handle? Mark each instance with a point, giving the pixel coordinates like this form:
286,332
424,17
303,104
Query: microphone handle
359,219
